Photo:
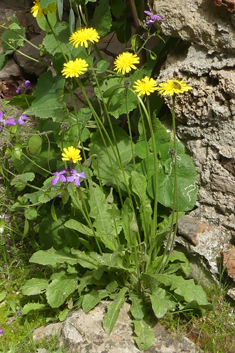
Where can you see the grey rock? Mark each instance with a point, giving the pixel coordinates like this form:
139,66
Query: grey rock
197,21
30,66
83,332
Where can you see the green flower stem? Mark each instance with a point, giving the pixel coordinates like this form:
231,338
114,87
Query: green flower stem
171,239
154,222
57,41
130,132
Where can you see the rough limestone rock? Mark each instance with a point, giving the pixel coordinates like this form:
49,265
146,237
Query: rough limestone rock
84,333
197,21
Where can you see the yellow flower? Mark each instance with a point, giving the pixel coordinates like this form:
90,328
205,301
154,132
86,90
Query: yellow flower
171,87
37,10
74,68
83,35
71,154
125,62
145,86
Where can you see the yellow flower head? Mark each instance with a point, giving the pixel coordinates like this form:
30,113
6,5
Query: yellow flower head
74,68
125,62
145,86
71,154
171,87
37,11
83,35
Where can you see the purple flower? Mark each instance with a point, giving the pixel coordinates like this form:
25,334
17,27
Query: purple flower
5,122
75,176
151,18
22,119
9,321
27,83
19,312
1,331
59,176
18,90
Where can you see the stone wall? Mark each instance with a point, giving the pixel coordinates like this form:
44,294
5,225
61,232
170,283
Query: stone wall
205,59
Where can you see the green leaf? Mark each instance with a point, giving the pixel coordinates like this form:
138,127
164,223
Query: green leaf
35,145
91,299
60,8
51,88
3,295
53,257
177,256
118,7
59,290
145,334
13,38
45,3
138,187
30,213
186,181
138,306
23,100
113,311
106,165
85,260
2,226
102,66
43,24
20,181
32,306
79,227
160,134
107,220
71,20
126,216
161,303
102,18
3,60
35,286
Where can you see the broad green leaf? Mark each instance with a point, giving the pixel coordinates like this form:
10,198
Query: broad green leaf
163,149
43,22
3,60
118,7
122,102
53,257
113,311
45,3
23,100
107,164
85,260
102,66
13,38
34,286
35,145
102,19
51,88
186,182
20,181
79,227
177,256
138,306
160,133
139,186
107,220
145,334
59,290
3,295
91,299
161,302
44,195
30,213
32,306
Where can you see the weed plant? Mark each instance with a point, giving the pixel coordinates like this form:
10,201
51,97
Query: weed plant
101,187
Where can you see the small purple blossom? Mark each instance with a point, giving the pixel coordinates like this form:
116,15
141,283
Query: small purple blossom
27,83
19,312
1,331
21,120
9,321
75,176
18,90
59,176
6,121
151,18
